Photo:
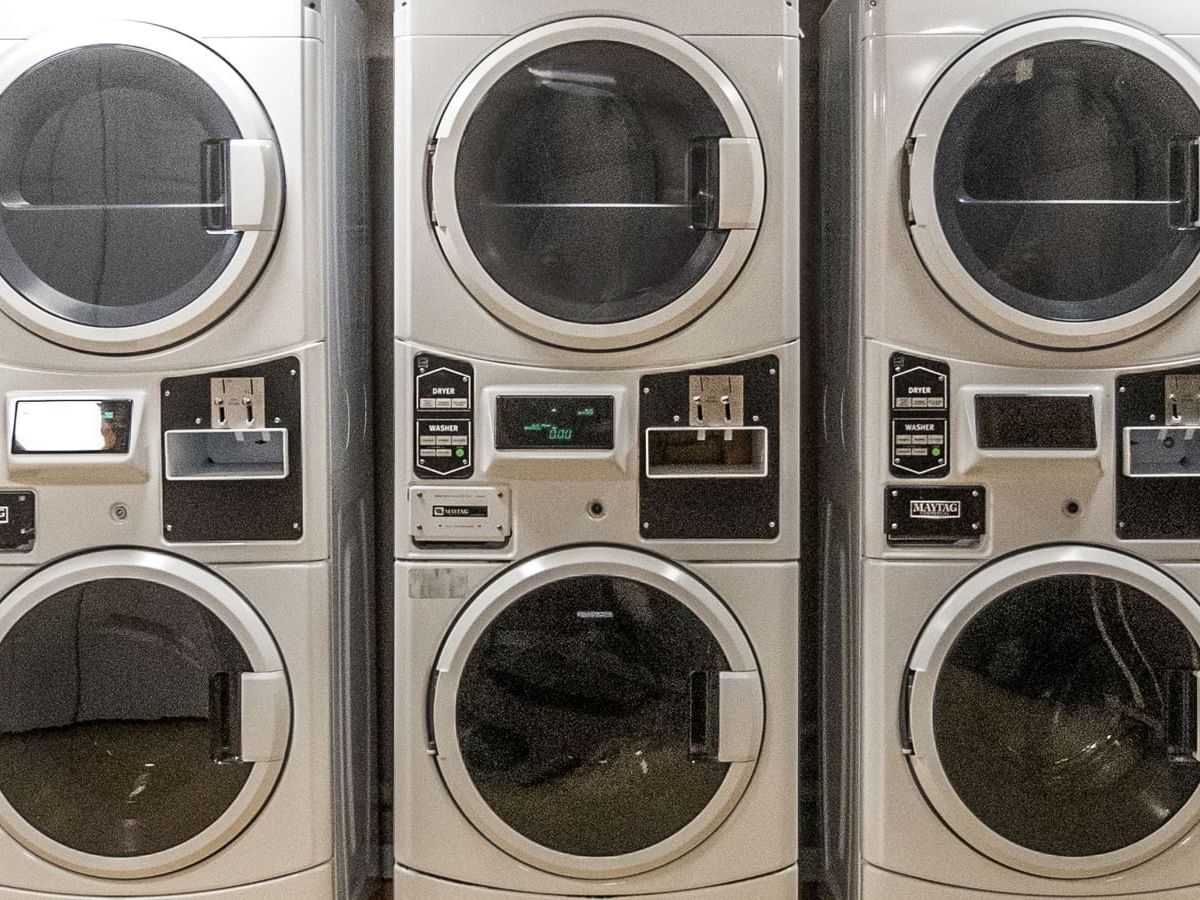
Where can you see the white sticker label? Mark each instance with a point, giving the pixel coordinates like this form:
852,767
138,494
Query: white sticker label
3,515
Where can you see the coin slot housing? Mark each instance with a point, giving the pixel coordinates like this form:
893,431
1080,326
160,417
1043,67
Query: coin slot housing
706,452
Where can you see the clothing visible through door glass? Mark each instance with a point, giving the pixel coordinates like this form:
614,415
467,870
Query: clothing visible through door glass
1065,715
580,179
112,190
1067,181
114,717
577,710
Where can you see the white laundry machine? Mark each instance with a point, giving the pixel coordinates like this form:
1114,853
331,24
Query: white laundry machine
596,720
1007,465
574,178
597,631
163,178
185,499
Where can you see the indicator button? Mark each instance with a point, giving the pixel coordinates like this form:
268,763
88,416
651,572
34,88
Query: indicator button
460,403
426,403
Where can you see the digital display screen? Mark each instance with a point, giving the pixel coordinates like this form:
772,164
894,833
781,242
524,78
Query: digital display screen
1035,422
72,426
554,423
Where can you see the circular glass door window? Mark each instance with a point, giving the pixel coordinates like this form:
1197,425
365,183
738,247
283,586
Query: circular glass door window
1066,181
112,726
581,716
111,201
1064,715
597,183
578,177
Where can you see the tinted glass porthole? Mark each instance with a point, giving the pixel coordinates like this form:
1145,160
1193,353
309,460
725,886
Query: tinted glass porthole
110,725
1066,181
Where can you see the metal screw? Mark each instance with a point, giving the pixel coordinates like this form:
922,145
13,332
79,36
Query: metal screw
895,493
770,371
1153,417
292,372
770,524
21,498
895,527
974,493
645,390
199,421
754,418
295,526
499,495
675,418
646,525
166,393
1120,524
420,494
1121,389
896,460
420,528
169,527
499,527
277,420
119,512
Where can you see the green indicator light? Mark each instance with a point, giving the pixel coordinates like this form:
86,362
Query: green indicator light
109,414
936,451
460,452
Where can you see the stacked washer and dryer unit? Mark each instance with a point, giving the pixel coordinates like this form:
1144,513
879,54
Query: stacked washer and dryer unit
1013,397
184,506
597,375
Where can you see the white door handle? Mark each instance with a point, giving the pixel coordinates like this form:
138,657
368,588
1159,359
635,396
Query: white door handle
740,707
741,183
255,186
266,716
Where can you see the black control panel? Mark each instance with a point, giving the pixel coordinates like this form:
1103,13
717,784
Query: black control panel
920,417
18,521
935,514
710,473
1158,455
444,426
236,505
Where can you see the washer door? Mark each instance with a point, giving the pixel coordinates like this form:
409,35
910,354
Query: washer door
596,712
1055,182
140,186
1052,711
597,183
144,713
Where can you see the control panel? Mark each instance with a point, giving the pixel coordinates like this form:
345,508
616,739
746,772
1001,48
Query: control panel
709,453
1158,455
232,455
555,422
919,390
444,424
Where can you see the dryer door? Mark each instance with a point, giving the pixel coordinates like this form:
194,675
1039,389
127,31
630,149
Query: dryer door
140,186
597,183
1052,711
144,713
1055,182
596,712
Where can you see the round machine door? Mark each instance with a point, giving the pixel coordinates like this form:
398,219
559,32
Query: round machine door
1055,182
1052,711
141,186
596,712
144,713
597,183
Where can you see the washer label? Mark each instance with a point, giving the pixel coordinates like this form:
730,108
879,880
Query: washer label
935,509
919,391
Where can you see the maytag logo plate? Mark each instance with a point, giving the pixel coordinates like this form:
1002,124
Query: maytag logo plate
935,509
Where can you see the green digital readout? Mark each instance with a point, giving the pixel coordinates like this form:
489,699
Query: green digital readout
550,423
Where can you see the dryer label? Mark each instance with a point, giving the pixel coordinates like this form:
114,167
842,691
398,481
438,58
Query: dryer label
443,445
919,392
